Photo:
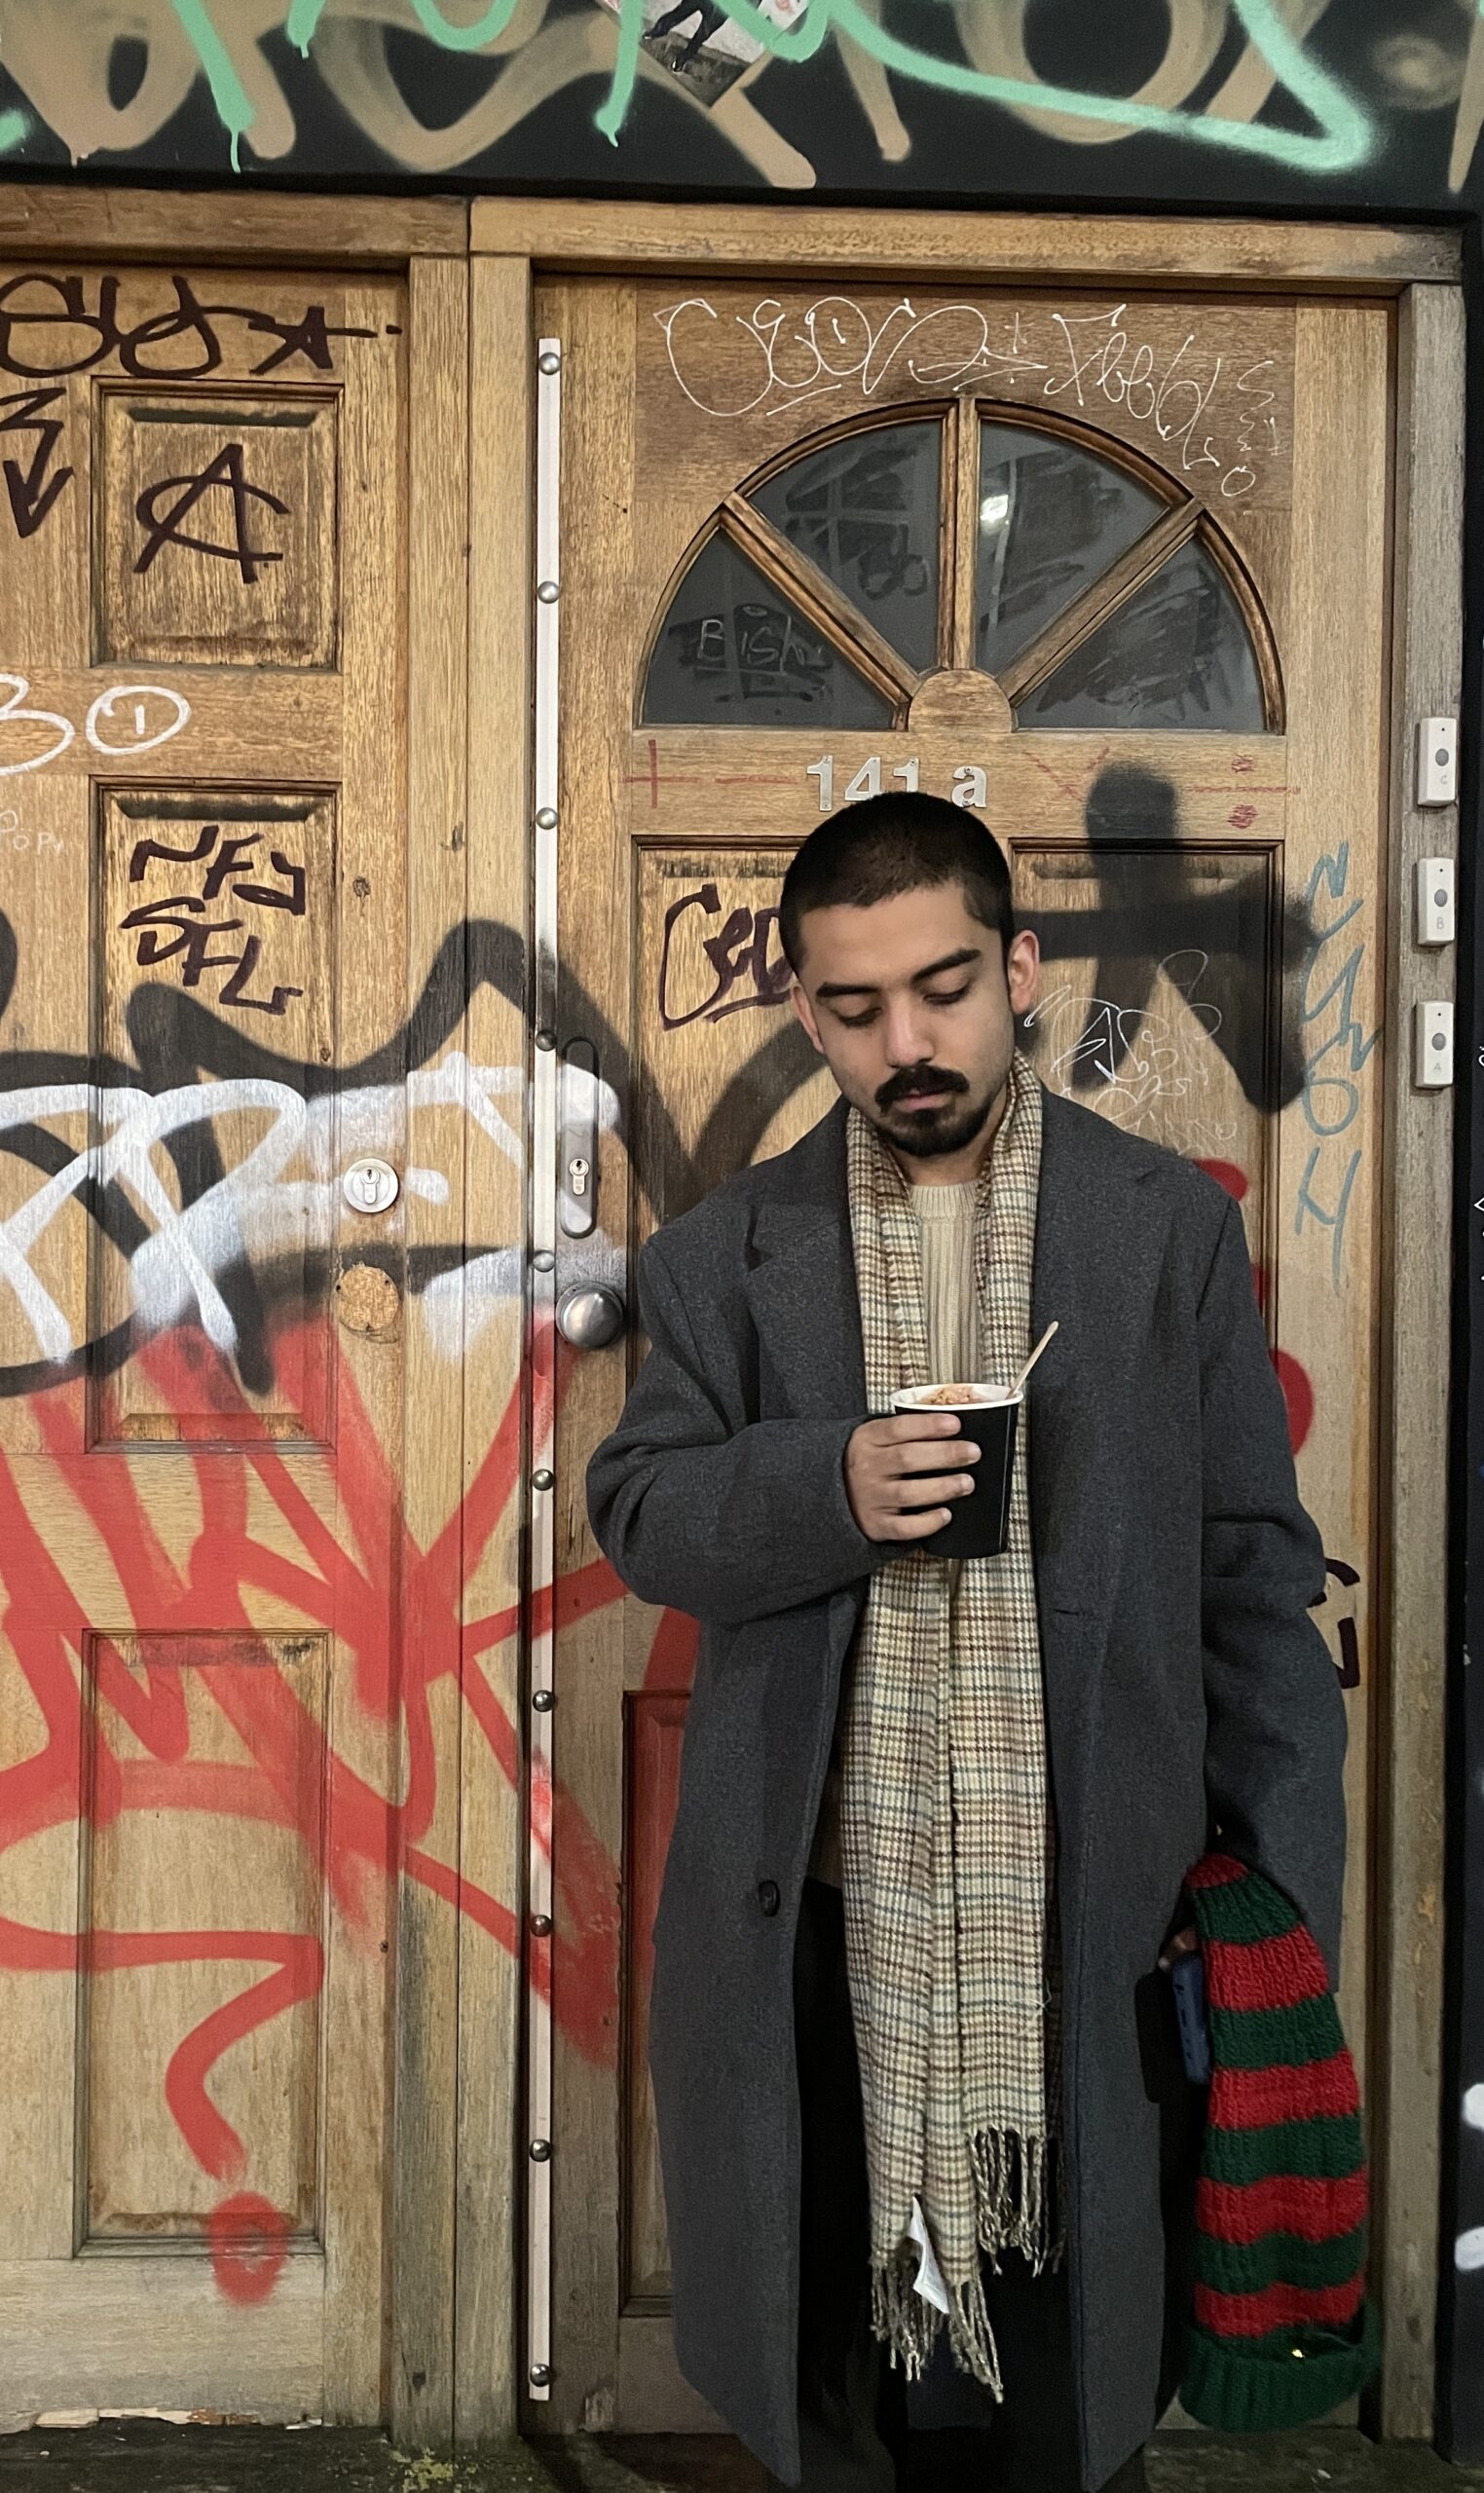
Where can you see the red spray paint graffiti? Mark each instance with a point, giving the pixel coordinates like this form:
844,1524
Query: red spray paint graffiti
293,1781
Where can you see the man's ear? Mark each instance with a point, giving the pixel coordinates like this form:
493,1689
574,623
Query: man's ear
1022,971
805,1012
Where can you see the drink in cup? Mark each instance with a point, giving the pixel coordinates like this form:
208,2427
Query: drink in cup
979,1524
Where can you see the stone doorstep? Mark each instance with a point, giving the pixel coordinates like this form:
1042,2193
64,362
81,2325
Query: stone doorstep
82,2454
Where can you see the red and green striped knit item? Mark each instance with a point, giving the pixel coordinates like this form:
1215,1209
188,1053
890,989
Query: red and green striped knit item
1282,2332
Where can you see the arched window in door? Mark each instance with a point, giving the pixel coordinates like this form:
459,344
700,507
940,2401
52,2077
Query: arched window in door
1083,584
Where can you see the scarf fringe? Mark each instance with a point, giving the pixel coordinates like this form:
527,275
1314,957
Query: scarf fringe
909,2325
1013,2197
1016,2208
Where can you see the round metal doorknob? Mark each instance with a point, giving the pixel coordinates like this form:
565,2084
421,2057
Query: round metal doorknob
589,1314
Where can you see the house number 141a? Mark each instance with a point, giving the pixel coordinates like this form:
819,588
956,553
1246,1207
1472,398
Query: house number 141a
968,788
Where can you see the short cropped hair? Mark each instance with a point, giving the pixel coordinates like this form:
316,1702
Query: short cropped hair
904,841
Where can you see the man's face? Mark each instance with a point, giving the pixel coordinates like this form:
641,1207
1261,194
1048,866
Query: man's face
913,1005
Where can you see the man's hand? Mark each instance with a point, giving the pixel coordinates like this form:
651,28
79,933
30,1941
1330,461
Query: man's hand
1183,1944
894,1475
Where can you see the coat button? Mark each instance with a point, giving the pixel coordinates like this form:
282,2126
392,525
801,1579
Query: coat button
768,1895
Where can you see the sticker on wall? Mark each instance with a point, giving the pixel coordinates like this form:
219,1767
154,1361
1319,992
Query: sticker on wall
702,45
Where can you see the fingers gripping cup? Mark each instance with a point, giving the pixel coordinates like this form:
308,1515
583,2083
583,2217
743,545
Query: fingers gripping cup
980,1523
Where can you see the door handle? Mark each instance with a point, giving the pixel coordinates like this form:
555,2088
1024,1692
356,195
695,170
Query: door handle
589,1314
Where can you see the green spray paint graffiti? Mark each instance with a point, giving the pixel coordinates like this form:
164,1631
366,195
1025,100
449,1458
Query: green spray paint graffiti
300,25
1342,140
1319,96
227,90
1341,137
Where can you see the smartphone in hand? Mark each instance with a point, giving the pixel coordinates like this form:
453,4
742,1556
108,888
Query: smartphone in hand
1187,1976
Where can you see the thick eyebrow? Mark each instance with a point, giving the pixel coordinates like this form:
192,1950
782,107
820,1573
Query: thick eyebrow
935,968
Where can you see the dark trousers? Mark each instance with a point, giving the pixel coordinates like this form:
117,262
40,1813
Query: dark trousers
863,2427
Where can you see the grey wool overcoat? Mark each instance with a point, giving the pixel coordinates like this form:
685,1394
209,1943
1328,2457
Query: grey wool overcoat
1188,1692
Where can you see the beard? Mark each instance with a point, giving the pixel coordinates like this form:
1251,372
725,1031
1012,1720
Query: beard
937,1131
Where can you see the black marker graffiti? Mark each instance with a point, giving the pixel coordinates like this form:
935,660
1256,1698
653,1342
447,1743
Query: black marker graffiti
224,473
739,956
41,311
32,492
176,928
1349,1642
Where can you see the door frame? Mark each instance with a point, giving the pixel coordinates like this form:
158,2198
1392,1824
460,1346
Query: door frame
454,2288
514,243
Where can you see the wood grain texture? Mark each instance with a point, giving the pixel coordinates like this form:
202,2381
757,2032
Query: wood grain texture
369,1008
80,221
489,2250
209,1803
1417,1263
156,2336
1329,1140
895,243
133,2187
422,2374
960,527
602,630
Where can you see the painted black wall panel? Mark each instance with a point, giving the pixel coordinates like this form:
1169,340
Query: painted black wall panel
1363,115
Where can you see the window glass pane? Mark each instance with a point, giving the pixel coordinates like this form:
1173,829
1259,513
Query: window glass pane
1177,655
733,652
867,511
1052,519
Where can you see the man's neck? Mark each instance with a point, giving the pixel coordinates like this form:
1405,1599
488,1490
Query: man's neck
959,1167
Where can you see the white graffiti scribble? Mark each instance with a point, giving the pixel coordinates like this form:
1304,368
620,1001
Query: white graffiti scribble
835,341
1149,1070
277,1200
139,734
1103,360
790,355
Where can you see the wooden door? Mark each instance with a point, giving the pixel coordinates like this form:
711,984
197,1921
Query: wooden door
201,949
1111,572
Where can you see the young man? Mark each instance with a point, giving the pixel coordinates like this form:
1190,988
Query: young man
927,2145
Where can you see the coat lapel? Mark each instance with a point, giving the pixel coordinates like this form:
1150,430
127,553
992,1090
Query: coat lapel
801,1288
1080,1257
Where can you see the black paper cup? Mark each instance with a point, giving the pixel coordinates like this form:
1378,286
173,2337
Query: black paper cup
980,1525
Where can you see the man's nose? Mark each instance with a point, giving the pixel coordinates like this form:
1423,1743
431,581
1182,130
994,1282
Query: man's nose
908,1034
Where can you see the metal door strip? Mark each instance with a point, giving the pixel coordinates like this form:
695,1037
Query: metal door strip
540,1498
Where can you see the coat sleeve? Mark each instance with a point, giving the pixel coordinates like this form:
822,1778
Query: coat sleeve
701,1510
1276,1727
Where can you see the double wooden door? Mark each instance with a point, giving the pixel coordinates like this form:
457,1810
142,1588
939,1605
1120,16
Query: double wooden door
1113,574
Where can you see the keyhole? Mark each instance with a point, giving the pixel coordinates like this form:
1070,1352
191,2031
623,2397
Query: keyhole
578,1170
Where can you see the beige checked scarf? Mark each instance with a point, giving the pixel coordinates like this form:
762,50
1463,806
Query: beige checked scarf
946,1829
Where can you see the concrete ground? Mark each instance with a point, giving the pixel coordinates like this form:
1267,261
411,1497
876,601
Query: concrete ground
148,2457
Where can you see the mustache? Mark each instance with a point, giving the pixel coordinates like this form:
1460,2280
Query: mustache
920,1078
